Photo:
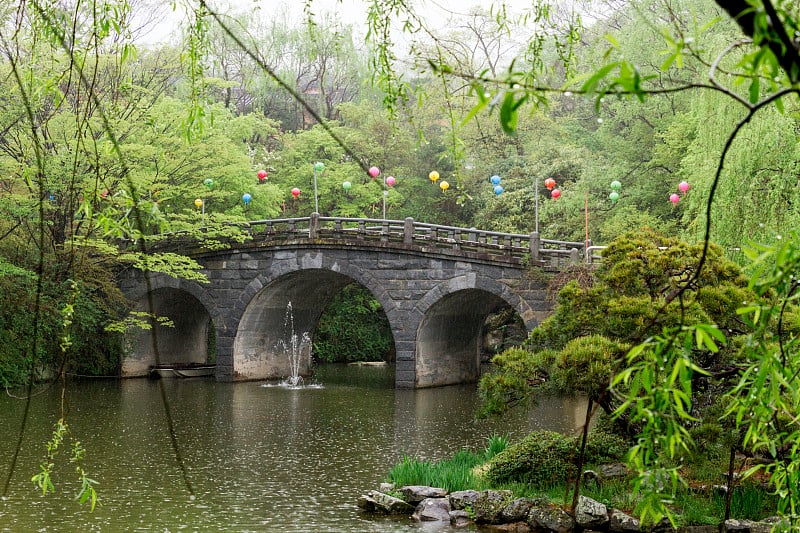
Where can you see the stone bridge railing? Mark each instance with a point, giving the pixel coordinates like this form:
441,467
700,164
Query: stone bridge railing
512,247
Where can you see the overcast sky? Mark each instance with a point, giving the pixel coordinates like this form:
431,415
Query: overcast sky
437,13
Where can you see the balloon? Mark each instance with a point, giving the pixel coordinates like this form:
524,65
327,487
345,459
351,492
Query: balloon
444,186
555,194
319,167
495,180
390,181
498,190
674,198
208,182
346,185
246,198
614,196
683,186
433,176
198,203
374,171
549,183
262,175
295,192
615,185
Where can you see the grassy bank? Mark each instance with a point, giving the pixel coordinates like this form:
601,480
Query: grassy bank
465,470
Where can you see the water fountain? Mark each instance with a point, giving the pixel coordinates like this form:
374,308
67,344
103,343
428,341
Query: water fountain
297,349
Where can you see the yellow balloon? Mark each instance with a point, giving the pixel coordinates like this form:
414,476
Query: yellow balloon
433,176
444,186
198,202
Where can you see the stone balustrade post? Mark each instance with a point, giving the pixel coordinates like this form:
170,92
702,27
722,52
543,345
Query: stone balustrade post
408,231
313,226
536,244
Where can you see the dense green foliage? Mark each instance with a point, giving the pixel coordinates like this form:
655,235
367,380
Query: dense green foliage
597,317
353,328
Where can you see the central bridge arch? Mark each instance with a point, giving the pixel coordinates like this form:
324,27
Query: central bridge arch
288,304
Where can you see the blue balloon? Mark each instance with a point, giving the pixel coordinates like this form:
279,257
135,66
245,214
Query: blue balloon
246,198
495,180
498,190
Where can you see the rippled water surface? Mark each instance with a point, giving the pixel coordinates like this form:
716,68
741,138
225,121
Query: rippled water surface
255,458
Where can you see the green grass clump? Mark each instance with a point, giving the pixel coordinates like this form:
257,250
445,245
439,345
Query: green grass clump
455,473
495,445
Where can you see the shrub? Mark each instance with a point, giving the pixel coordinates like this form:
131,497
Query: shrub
541,459
605,447
545,458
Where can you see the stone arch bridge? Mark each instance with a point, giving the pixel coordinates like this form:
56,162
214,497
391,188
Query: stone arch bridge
436,284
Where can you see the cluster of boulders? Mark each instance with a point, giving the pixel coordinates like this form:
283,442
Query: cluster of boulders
500,509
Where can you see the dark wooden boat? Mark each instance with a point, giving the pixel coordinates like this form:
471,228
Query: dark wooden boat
182,370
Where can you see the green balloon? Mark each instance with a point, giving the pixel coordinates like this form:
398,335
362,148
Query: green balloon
614,196
615,185
346,185
208,182
319,167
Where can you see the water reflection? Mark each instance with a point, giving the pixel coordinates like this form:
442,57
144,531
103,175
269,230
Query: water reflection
256,458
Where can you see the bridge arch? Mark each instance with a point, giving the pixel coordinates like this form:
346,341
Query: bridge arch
289,301
186,305
449,332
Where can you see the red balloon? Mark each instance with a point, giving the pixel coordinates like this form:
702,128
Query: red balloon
549,183
556,194
295,192
262,174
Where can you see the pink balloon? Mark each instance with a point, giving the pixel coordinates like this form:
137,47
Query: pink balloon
555,194
683,186
295,192
390,181
674,198
374,171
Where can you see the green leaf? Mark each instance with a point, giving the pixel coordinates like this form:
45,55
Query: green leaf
508,114
591,84
611,39
755,91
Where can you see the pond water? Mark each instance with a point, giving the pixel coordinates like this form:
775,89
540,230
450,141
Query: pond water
255,458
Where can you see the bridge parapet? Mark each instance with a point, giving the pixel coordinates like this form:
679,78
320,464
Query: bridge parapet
500,246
